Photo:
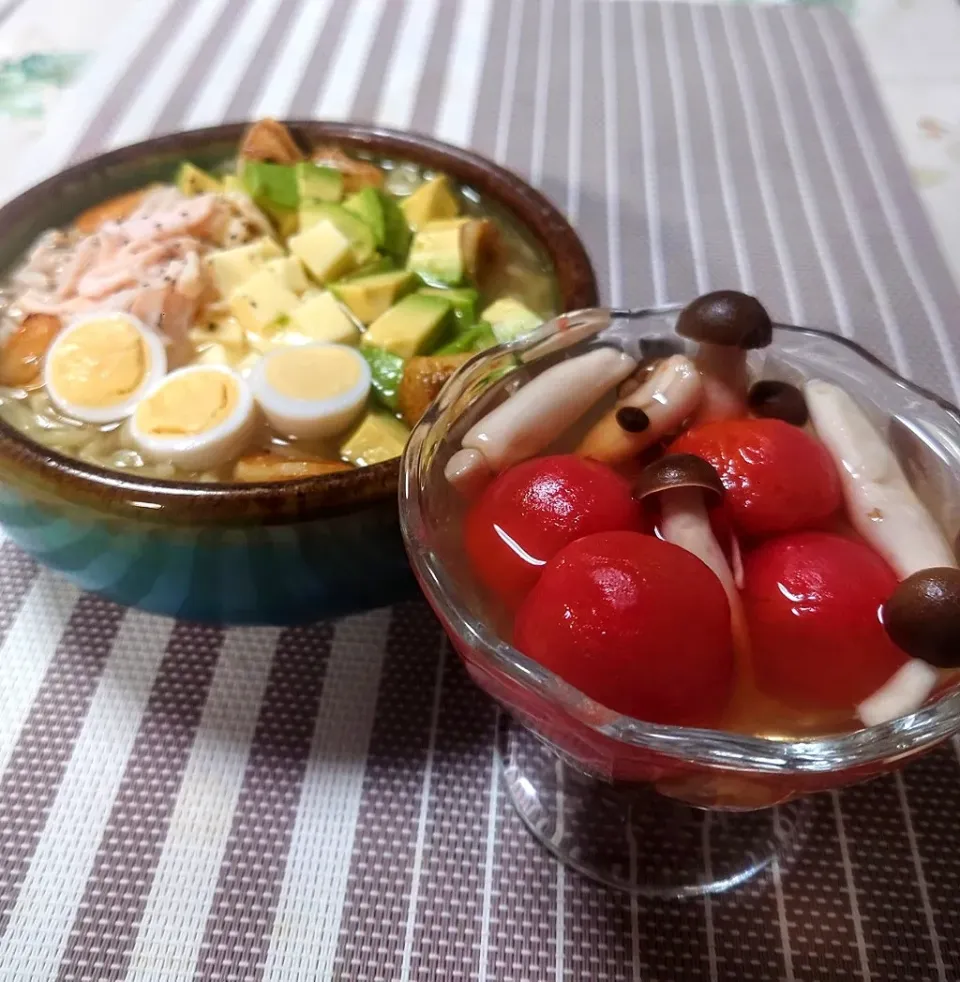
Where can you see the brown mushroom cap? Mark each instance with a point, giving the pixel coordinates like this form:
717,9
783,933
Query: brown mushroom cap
778,400
923,616
726,317
678,470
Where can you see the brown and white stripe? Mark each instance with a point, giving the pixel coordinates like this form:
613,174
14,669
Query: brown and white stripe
167,941
42,742
50,894
241,915
119,879
179,801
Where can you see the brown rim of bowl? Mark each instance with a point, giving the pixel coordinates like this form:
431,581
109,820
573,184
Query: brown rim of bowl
191,502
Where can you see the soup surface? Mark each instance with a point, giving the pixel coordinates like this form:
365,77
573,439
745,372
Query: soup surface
291,314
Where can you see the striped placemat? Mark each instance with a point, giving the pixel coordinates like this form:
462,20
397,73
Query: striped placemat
182,802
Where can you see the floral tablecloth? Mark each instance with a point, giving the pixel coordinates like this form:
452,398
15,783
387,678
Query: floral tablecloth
913,47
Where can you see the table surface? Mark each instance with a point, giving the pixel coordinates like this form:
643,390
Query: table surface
912,46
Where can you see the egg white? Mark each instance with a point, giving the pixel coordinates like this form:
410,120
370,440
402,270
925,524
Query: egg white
212,447
156,369
310,419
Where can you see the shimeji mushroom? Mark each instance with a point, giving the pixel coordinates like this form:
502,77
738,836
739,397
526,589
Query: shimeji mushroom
923,615
537,414
645,414
684,485
726,324
772,399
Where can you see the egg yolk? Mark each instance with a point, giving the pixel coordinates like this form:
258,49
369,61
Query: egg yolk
313,373
188,404
100,364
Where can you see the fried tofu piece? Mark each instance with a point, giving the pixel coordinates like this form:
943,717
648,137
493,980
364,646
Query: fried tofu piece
21,357
271,141
272,467
112,210
357,174
423,378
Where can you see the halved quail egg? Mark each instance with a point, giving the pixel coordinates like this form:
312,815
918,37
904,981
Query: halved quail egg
311,391
100,366
196,418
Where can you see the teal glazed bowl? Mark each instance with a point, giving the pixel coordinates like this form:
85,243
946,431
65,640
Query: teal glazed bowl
272,553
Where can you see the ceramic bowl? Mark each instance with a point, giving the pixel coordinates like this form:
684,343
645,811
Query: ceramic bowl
275,553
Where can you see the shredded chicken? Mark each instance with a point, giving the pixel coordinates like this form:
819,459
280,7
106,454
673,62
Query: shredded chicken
150,264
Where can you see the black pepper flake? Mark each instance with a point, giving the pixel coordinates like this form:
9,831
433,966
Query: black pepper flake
632,419
252,303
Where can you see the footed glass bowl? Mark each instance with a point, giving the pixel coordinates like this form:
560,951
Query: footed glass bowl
660,810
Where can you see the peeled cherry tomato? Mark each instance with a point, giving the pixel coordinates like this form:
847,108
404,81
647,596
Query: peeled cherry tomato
778,477
812,602
532,510
638,624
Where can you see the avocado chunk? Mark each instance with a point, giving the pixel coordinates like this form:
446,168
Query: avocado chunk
411,327
321,318
318,183
510,319
379,264
378,437
386,372
385,218
192,180
355,230
324,250
233,183
437,255
231,267
371,296
271,185
464,302
475,338
432,201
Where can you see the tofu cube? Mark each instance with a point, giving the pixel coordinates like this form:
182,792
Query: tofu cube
325,251
321,318
262,301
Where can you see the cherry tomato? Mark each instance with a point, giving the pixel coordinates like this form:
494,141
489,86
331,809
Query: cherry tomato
778,477
638,624
533,510
812,602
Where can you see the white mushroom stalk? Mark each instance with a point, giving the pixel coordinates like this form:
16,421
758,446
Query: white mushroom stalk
685,523
682,484
881,505
725,382
904,692
468,471
885,510
542,409
670,395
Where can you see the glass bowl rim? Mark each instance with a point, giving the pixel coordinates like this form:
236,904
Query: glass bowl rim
717,749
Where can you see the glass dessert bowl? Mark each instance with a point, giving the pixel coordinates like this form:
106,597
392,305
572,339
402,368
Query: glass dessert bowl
683,796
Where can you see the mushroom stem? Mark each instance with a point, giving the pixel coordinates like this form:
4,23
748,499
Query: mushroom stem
468,471
667,398
543,408
684,522
881,505
725,381
904,692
